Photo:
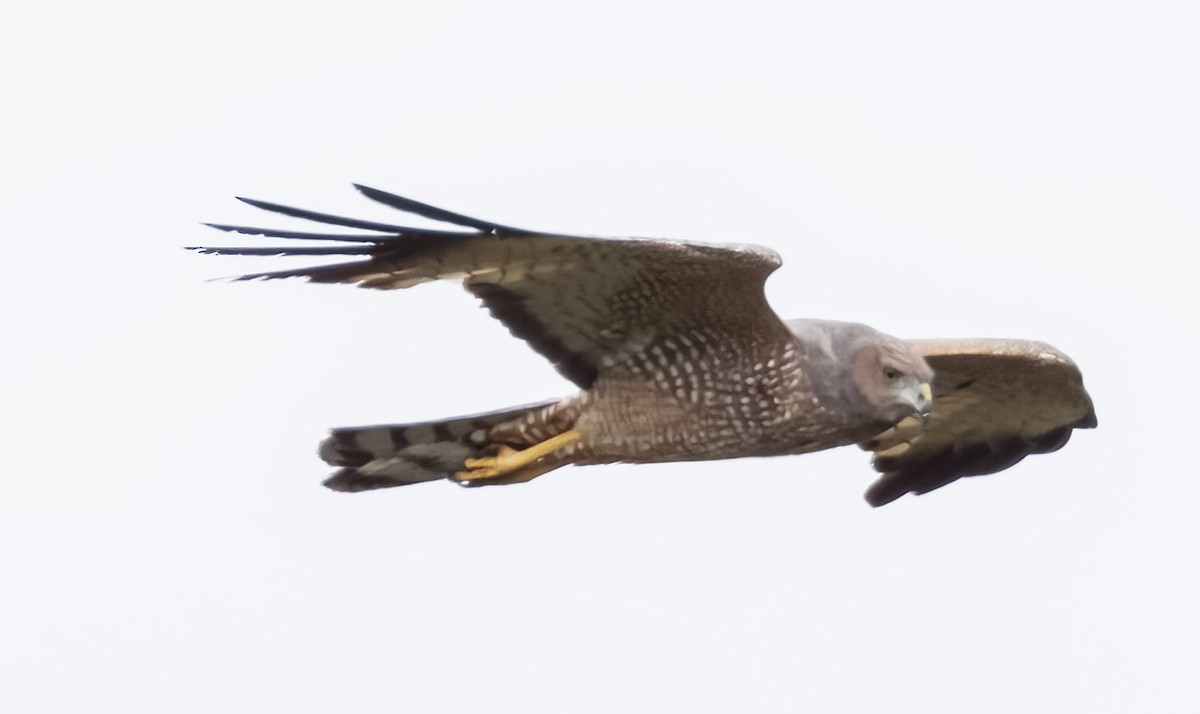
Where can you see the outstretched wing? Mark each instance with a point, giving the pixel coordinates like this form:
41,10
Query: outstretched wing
577,301
994,403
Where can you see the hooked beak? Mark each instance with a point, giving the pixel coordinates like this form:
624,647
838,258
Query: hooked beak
925,405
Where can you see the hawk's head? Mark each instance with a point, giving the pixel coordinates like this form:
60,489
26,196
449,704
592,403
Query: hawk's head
865,372
892,377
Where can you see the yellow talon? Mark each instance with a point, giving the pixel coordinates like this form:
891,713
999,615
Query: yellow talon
507,459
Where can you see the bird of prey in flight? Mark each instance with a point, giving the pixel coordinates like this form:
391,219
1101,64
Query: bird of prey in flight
678,357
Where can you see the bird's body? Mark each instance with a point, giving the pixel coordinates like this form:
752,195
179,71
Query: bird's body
690,398
678,357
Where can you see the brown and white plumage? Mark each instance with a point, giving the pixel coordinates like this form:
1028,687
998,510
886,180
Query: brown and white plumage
997,401
678,356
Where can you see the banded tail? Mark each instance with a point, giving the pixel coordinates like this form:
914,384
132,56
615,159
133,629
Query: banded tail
398,455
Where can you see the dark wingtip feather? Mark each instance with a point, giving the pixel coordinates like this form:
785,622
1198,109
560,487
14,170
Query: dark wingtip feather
321,217
425,210
339,273
892,486
282,251
264,205
1051,441
947,467
400,233
883,492
302,235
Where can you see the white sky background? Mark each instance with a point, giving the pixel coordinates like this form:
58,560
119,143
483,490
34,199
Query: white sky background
1028,170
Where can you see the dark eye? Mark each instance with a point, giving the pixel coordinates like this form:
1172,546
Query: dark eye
891,373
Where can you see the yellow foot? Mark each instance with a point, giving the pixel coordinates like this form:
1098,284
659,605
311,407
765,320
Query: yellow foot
507,460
